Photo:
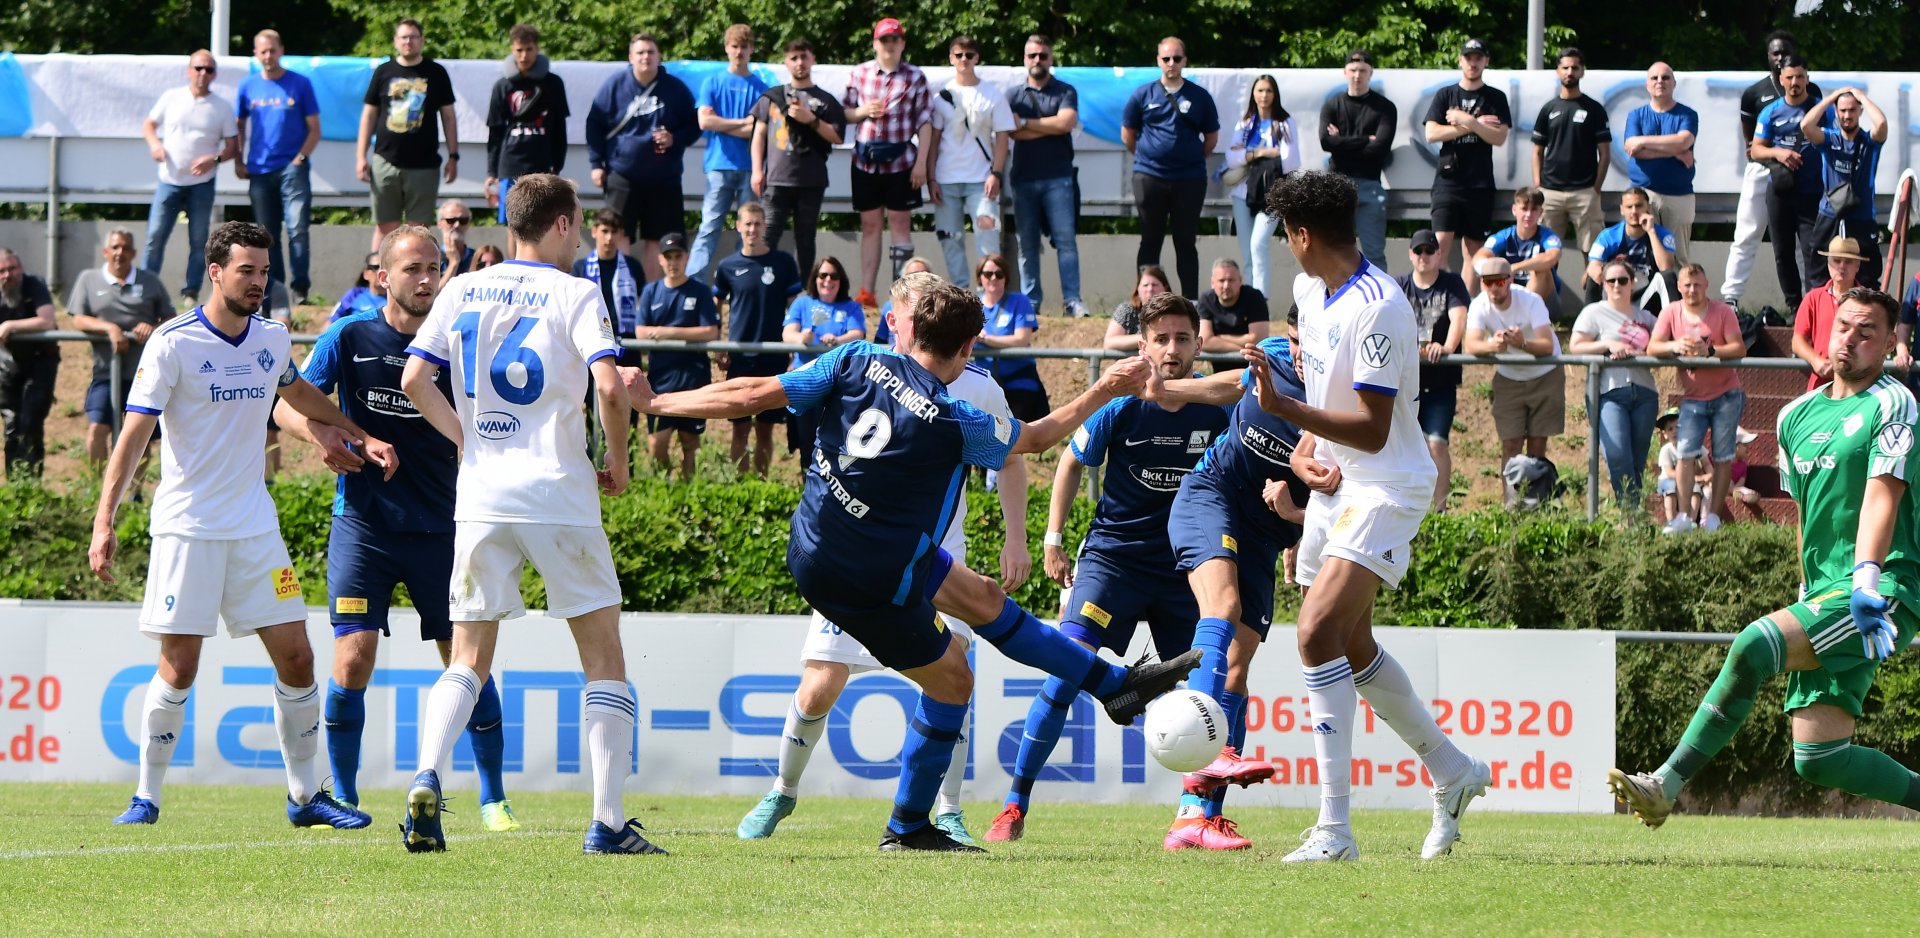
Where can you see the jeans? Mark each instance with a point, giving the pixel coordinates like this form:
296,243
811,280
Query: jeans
1625,427
725,189
1049,202
1255,229
800,207
285,197
958,202
1370,220
26,398
1171,206
168,202
1720,415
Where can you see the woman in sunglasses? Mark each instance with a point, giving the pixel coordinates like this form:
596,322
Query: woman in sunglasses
823,314
1010,323
1629,397
1264,149
365,294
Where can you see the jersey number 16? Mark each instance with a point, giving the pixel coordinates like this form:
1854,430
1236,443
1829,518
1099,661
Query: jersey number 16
511,351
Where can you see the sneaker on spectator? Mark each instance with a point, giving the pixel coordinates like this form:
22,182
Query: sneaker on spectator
1680,524
1710,522
1078,310
866,299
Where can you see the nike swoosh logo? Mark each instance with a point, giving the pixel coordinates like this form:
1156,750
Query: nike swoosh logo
369,358
1137,442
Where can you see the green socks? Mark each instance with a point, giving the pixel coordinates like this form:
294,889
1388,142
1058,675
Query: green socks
1857,770
1758,653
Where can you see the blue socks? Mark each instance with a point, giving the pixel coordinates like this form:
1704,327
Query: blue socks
1235,707
489,742
1211,636
345,716
931,736
1045,720
1031,642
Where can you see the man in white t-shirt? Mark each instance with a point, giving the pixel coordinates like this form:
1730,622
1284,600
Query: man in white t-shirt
1366,461
523,339
830,655
1529,401
210,377
189,132
969,164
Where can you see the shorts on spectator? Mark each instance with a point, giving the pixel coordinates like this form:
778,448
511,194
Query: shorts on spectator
506,182
651,209
1026,405
1667,486
1530,408
659,424
1465,212
403,195
488,557
1720,415
365,564
248,583
894,191
99,405
759,366
1375,534
1437,407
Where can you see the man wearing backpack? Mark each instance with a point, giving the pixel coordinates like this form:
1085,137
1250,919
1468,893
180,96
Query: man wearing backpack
975,126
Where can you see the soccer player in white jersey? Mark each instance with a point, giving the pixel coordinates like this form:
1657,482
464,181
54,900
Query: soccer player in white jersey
1372,482
210,378
522,338
830,655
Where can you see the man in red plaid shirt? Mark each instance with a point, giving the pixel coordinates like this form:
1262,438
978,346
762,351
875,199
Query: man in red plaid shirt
889,101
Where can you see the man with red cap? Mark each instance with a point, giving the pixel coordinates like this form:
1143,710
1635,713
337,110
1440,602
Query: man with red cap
888,100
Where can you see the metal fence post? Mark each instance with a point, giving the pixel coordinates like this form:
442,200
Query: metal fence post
1595,371
53,214
1091,477
115,399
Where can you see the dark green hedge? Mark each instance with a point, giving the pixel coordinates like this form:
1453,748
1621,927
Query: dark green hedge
720,547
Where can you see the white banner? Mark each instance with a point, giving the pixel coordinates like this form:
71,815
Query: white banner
713,692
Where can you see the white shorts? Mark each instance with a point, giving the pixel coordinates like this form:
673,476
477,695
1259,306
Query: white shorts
825,642
488,557
1375,534
248,583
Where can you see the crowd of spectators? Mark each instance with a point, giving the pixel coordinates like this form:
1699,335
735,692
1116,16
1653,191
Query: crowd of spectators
971,150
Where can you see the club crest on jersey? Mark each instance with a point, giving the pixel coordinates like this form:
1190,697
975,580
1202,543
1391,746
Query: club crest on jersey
265,358
1333,336
1852,424
1376,350
1197,441
1895,439
766,276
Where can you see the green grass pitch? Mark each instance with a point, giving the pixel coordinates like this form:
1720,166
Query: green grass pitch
224,861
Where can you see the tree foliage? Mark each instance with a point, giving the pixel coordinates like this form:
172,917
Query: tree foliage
1693,34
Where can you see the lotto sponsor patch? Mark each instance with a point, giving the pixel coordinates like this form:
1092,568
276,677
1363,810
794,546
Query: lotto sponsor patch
286,584
350,605
1227,541
1096,614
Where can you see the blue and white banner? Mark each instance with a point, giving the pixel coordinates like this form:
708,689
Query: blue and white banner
713,693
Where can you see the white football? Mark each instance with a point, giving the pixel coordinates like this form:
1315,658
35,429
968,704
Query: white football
1185,730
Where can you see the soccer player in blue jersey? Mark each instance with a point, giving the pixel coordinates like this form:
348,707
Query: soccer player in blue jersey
889,461
1125,568
1372,482
387,532
210,378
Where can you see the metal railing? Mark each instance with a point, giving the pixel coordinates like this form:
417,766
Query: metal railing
1597,366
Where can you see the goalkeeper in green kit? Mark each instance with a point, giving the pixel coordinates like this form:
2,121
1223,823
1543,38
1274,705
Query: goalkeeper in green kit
1846,457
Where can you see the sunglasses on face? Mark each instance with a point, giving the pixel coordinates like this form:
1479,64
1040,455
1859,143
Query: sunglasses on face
1619,281
1171,59
1042,56
372,267
1495,281
208,69
455,220
992,273
961,54
1425,251
829,275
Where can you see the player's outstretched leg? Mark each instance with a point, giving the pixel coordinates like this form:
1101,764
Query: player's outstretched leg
1457,777
1758,653
161,717
489,739
1857,770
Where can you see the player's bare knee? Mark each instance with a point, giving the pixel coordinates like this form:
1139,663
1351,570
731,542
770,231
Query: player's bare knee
949,680
821,683
294,666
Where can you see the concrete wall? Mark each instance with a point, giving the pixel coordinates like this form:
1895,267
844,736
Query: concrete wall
1106,261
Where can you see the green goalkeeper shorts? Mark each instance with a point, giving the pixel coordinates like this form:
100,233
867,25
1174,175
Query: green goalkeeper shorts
1845,673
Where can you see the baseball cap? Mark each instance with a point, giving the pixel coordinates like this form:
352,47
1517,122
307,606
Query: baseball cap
1672,414
888,27
673,241
1360,55
1425,238
1474,47
1843,247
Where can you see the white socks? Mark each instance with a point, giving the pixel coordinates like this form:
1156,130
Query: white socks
160,720
948,801
1388,690
610,712
449,707
1331,697
797,742
296,714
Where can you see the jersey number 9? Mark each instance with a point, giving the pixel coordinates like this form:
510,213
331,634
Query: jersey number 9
512,351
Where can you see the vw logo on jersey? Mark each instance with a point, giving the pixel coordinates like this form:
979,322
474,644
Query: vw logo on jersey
1895,439
265,358
1376,351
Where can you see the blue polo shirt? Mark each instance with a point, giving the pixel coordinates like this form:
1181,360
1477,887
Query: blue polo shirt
731,96
276,112
1779,126
1851,161
1170,127
1665,174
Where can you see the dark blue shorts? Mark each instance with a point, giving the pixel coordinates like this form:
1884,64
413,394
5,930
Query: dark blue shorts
1437,406
364,565
901,636
99,405
1209,522
659,424
1110,597
759,366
